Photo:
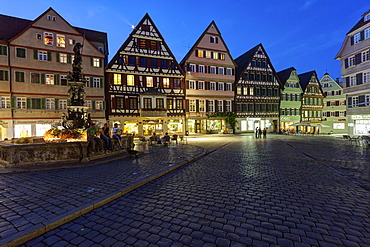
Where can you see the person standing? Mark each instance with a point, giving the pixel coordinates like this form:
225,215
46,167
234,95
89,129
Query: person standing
105,135
256,132
93,140
259,133
264,132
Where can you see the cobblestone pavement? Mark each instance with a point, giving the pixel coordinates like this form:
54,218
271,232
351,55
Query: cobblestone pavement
279,191
31,200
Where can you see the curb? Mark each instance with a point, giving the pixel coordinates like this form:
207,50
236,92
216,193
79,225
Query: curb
19,238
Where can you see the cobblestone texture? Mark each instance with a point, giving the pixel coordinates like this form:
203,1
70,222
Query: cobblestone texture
279,191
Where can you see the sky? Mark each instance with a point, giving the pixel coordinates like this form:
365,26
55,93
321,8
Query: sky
305,34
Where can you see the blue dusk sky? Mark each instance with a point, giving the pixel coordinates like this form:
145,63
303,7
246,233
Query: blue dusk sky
305,34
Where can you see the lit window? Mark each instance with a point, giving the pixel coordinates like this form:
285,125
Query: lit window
192,105
96,62
96,82
220,86
192,68
49,79
212,86
61,40
201,69
117,79
72,41
63,80
201,85
42,56
88,104
357,38
238,90
200,53
251,91
4,102
63,58
50,103
130,80
99,105
166,82
220,71
228,86
48,38
62,104
21,102
208,54
202,105
245,91
149,81
191,84
222,56
169,104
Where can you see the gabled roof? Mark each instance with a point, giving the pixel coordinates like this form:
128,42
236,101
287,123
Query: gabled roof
243,60
305,78
12,26
285,74
360,23
331,80
201,37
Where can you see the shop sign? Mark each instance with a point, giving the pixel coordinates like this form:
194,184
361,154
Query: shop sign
360,117
153,113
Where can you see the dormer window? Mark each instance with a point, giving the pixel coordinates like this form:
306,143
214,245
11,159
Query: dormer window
367,17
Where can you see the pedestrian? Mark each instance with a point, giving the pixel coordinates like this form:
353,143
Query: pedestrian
105,135
94,142
256,132
116,131
264,132
259,133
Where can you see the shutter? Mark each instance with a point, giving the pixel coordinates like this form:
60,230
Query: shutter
29,103
346,63
359,78
187,105
100,63
196,68
361,99
68,102
207,103
93,104
352,40
43,103
6,75
58,57
362,35
49,56
35,54
104,105
91,61
114,103
347,81
101,82
43,79
349,101
91,82
69,58
197,105
196,53
56,102
12,102
187,84
57,80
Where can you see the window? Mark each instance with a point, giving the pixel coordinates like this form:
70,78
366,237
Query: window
228,106
20,52
36,103
99,105
142,62
153,62
357,38
215,55
153,45
366,77
4,102
201,85
367,17
159,103
238,90
133,103
229,71
96,83
192,105
117,79
131,60
201,69
176,83
49,79
352,81
208,54
367,33
147,103
179,104
191,84
50,103
169,104
48,38
19,76
42,56
35,78
245,91
130,80
351,61
220,106
213,39
39,36
202,105
62,57
21,102
62,104
96,62
61,40
149,81
220,71
166,82
355,101
72,41
221,56
164,64
228,87
342,114
145,28
365,56
211,106
200,53
191,67
54,18
3,50
212,85
120,103
220,86
251,91
212,70
88,104
63,80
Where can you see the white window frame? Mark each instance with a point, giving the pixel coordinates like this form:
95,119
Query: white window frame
63,57
202,105
357,38
352,81
191,84
351,61
212,70
192,105
212,86
62,104
366,77
49,79
367,33
228,87
88,103
192,68
365,56
228,106
367,17
96,62
99,105
221,86
96,82
208,54
220,106
220,70
42,55
355,101
4,102
149,81
229,71
49,103
200,85
211,106
21,102
201,69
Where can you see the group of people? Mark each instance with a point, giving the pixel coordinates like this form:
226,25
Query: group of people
260,133
95,136
165,139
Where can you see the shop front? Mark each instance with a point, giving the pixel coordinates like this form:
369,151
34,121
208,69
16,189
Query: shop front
250,124
361,124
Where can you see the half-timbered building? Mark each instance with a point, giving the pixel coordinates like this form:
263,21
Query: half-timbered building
146,84
257,92
210,75
312,102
